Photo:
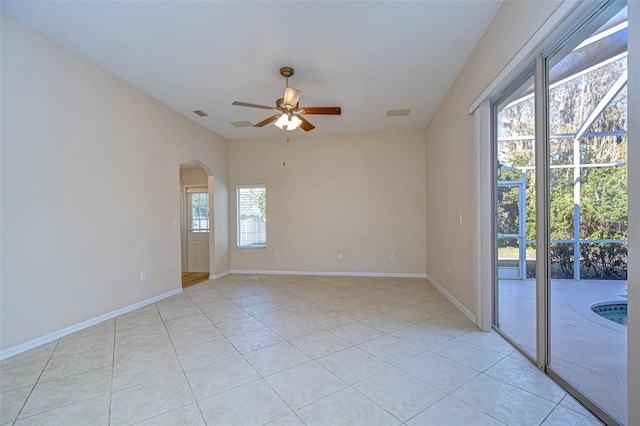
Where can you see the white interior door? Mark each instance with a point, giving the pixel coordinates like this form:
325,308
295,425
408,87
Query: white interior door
197,229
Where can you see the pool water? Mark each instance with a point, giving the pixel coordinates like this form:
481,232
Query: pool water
619,316
616,312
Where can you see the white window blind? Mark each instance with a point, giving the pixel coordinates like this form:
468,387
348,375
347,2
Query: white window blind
251,216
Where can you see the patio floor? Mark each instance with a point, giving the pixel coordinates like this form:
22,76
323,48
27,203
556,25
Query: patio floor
589,351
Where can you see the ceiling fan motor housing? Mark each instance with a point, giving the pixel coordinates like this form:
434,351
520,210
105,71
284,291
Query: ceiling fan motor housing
286,72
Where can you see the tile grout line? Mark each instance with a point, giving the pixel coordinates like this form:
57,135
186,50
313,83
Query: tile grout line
113,367
264,378
36,383
261,377
184,372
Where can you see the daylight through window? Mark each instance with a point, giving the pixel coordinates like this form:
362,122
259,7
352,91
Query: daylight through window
252,216
198,210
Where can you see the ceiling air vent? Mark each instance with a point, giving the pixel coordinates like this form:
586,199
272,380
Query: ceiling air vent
244,123
398,112
200,113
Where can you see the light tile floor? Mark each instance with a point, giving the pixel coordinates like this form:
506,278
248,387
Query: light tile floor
285,350
587,350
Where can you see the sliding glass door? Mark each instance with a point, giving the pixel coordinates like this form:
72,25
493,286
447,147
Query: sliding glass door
588,214
515,216
567,312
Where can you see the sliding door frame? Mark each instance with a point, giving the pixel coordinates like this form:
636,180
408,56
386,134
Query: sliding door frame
542,170
485,113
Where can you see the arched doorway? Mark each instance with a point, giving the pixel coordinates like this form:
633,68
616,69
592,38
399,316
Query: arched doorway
196,230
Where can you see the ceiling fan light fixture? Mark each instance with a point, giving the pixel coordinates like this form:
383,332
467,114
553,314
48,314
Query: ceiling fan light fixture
288,122
291,97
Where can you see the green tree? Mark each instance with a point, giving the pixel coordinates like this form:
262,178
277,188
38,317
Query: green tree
262,205
603,189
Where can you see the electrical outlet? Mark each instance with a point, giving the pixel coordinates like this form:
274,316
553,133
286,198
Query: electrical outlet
143,276
392,256
340,256
448,269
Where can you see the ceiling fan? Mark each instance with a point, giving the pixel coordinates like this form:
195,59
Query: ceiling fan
289,114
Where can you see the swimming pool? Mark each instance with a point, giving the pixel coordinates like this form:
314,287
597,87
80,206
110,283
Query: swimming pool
613,311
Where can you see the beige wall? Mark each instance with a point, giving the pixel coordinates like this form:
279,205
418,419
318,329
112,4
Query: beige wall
90,187
361,194
449,148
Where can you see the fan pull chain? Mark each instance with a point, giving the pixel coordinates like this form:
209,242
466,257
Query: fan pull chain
283,161
286,138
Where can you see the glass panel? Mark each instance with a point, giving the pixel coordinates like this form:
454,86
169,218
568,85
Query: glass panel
515,218
561,255
515,153
604,149
199,212
252,217
531,260
603,261
603,193
613,118
508,253
561,204
508,209
561,151
572,100
530,226
588,218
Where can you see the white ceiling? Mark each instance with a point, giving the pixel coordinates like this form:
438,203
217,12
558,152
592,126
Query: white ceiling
366,57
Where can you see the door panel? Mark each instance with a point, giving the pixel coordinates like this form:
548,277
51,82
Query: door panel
198,251
588,218
515,217
197,229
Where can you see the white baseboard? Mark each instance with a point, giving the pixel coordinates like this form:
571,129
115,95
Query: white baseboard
220,275
453,300
335,274
23,347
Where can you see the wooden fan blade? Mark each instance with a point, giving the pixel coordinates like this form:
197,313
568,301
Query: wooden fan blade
244,104
322,110
306,126
267,121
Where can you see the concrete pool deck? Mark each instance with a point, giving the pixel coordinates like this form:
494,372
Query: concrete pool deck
589,351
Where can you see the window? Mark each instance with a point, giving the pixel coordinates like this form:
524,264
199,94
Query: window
198,200
251,216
